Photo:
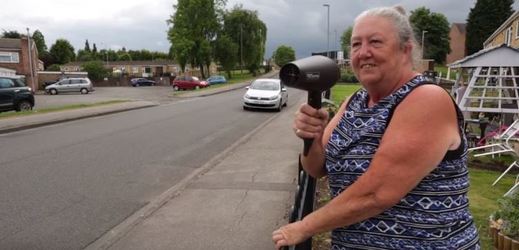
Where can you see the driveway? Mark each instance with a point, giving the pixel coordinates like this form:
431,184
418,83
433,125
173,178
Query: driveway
159,94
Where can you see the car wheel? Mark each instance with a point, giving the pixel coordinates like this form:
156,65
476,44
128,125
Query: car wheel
280,105
176,88
53,92
84,91
245,108
23,106
286,102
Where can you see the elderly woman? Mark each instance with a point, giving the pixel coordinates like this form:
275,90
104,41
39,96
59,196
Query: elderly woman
395,153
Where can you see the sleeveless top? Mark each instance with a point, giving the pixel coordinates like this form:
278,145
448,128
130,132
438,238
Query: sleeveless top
434,215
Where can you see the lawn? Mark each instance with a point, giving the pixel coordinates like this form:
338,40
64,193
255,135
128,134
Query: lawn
56,109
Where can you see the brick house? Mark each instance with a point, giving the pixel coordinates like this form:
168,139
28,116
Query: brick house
132,68
457,34
17,58
507,33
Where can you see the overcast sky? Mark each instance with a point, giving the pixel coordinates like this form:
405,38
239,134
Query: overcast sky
141,24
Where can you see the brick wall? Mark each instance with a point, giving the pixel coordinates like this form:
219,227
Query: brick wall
457,45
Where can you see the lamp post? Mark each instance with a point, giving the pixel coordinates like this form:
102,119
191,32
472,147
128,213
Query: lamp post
423,36
328,30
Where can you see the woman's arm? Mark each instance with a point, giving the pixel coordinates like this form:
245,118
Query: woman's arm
422,129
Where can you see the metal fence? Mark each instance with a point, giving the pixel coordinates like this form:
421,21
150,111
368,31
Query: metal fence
303,204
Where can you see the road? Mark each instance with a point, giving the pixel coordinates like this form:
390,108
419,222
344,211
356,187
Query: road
65,185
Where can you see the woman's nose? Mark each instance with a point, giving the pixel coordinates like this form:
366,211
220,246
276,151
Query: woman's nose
364,51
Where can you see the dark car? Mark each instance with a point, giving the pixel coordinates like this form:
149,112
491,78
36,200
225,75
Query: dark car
188,82
216,79
136,82
15,95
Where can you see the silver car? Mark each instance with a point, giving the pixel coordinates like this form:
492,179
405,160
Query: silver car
265,94
82,85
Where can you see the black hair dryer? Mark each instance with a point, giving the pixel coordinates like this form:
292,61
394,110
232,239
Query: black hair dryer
314,74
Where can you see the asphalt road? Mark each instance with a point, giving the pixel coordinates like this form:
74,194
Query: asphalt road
65,185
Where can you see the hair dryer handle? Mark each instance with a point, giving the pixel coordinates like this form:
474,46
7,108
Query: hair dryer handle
314,100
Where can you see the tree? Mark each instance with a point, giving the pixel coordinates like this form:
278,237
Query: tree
346,40
194,25
436,40
483,20
95,69
250,33
39,40
62,51
225,53
94,49
11,34
84,56
283,55
87,46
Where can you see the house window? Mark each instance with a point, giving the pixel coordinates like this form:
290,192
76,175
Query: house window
517,30
135,70
9,57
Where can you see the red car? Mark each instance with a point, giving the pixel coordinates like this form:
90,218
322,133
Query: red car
188,82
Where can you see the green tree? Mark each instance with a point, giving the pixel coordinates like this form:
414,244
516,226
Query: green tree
11,34
95,69
87,46
84,56
483,20
436,40
225,53
284,54
39,40
62,51
94,49
193,26
250,33
346,40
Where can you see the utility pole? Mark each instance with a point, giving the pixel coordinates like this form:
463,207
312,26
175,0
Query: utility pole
423,36
328,31
241,48
30,59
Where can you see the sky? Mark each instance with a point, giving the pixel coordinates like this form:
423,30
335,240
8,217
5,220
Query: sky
141,24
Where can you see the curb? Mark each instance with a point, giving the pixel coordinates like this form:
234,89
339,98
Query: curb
29,125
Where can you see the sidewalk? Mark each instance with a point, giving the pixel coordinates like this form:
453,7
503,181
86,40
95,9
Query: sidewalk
234,201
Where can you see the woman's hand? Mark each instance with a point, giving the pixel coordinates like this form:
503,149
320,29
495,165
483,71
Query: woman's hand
290,235
310,122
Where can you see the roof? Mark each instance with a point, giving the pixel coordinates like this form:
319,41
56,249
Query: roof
130,63
502,55
462,27
10,43
502,27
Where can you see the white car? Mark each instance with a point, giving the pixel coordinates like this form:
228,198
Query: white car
265,94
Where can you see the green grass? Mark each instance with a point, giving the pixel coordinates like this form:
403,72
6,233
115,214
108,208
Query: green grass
56,109
483,199
341,91
443,69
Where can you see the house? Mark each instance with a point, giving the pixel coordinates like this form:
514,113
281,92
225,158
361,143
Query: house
507,33
457,37
132,68
20,57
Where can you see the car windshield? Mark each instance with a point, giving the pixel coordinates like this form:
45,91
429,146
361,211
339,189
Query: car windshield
265,85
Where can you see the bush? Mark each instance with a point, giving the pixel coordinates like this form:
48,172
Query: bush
348,77
509,213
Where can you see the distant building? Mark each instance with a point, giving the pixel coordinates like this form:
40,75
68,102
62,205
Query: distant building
18,58
132,68
507,33
457,34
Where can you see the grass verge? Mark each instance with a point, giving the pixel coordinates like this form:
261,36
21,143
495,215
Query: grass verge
57,109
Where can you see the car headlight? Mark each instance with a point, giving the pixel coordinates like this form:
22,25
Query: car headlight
246,96
273,97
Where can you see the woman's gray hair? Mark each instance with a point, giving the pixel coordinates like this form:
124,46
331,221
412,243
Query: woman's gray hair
401,23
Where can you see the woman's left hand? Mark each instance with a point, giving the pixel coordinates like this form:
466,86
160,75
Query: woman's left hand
290,235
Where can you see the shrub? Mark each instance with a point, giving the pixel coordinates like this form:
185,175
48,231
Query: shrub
509,213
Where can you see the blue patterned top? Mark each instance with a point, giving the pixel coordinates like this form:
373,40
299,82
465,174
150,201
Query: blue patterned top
434,215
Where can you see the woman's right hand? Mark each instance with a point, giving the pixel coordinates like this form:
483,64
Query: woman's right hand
310,122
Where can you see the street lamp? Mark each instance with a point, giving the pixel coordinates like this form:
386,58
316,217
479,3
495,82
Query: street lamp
423,35
328,31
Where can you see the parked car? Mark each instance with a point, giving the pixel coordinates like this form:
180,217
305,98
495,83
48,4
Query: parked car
188,82
15,95
80,84
265,94
136,82
216,79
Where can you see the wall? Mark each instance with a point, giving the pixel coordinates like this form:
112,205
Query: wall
457,45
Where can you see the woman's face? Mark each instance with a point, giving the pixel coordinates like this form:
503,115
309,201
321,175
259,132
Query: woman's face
376,56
